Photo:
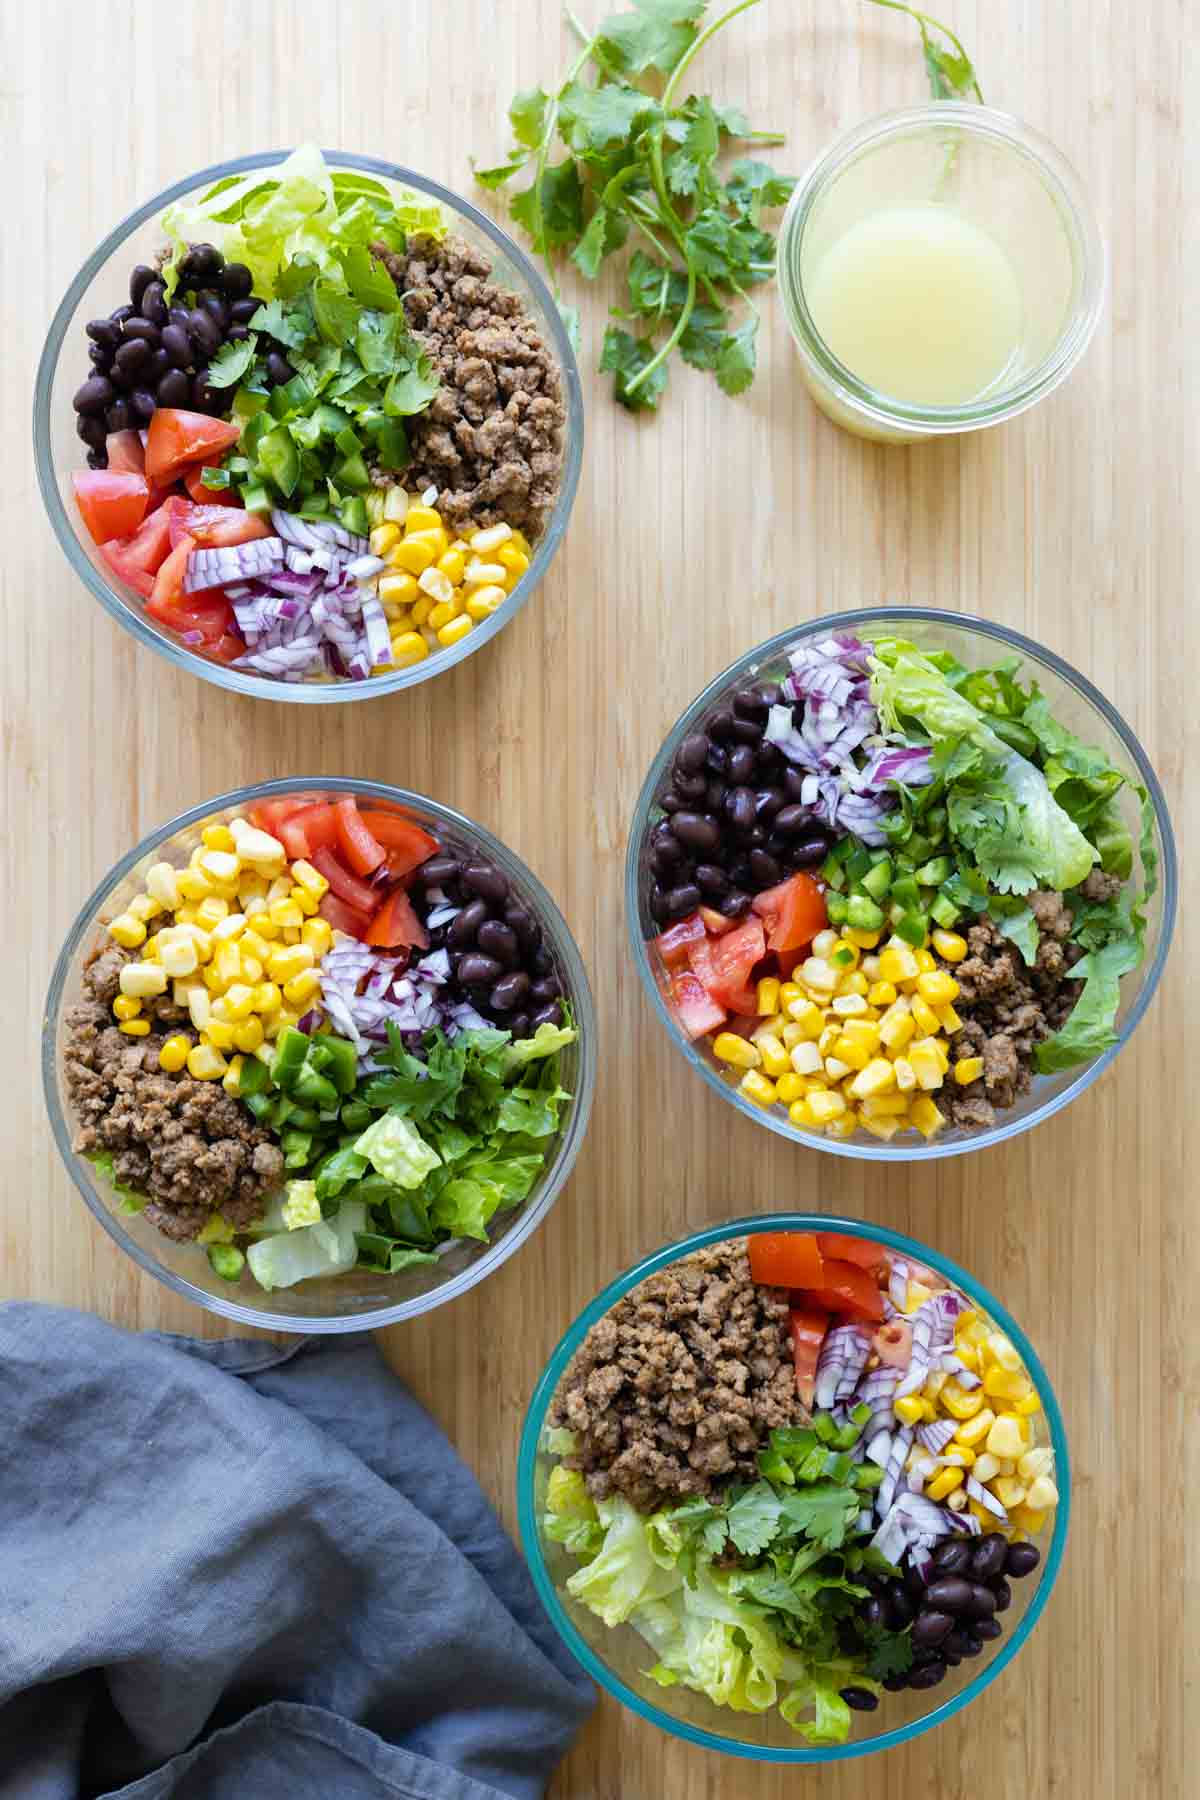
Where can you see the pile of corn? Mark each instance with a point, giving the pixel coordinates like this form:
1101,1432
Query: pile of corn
241,952
436,587
856,1039
993,1439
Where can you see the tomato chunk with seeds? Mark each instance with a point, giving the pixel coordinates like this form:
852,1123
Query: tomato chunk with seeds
112,503
793,911
787,1259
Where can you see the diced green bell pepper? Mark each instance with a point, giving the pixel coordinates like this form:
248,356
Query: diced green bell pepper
836,907
296,1147
227,1261
354,515
278,460
341,1061
913,927
934,872
291,1052
943,912
863,914
878,878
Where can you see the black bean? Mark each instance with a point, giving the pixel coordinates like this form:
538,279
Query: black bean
767,802
216,306
139,280
740,764
178,315
982,1602
500,941
100,357
203,331
714,794
720,726
931,1626
666,855
972,1643
660,912
143,403
915,1582
873,1611
236,280
899,1605
809,851
748,731
547,1015
928,1675
95,394
465,927
155,366
438,870
988,1629
117,418
154,303
481,878
173,388
683,900
741,808
712,879
696,831
950,1593
510,990
988,1555
178,346
131,356
734,905
692,787
279,369
956,1644
545,989
716,762
692,753
540,961
103,331
793,820
951,1558
203,260
91,430
520,1025
119,380
1003,1594
206,398
671,801
860,1699
740,871
97,459
1022,1560
766,871
119,314
895,1683
237,334
242,311
793,781
475,970
950,1657
142,328
768,759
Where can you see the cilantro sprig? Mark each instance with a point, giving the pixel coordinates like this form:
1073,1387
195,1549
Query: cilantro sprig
951,73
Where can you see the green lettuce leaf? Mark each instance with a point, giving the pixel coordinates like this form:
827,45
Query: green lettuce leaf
571,1518
547,1040
395,1147
127,1201
1091,1027
623,1575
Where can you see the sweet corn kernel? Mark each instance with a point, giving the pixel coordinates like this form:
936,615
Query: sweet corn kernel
413,555
757,1088
881,993
211,910
728,1047
398,589
318,935
220,865
896,1029
906,1080
452,565
268,997
439,589
301,989
926,962
161,886
384,538
987,1467
205,1062
308,903
967,1070
482,603
239,1002
227,962
1008,1490
850,1053
127,931
910,1410
231,1081
944,1484
249,1035
878,1077
884,1106
793,1034
801,1115
819,975
310,879
1036,1462
937,987
513,560
767,997
949,945
1027,1519
775,1059
806,1058
227,929
193,884
140,980
789,1088
849,1006
219,1033
409,648
293,960
803,1013
978,1419
135,1027
455,631
1041,1494
1004,1351
286,914
948,1019
1003,1384
125,1007
174,1053
218,837
926,1065
880,1128
1027,1406
862,940
422,518
143,907
924,1017
824,1107
897,963
1006,1437
199,1005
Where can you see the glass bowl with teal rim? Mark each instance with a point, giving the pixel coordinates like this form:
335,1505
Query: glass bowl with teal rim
359,1299
101,285
619,1658
1079,706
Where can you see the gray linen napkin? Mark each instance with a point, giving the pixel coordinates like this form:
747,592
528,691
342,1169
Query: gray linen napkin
230,1571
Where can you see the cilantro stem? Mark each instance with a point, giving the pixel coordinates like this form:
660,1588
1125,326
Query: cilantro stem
925,22
681,325
549,125
697,44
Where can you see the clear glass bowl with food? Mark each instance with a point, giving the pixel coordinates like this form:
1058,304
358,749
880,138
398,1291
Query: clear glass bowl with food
901,883
319,1055
795,1488
309,426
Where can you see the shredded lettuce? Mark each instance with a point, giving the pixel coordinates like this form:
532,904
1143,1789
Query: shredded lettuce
328,1248
397,1151
301,1206
128,1202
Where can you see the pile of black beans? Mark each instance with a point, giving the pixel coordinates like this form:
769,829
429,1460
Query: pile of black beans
734,823
149,354
498,955
952,1614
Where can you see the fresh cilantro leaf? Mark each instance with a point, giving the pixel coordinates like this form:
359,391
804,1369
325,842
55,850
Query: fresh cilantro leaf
822,1512
736,357
382,343
652,36
369,281
291,325
499,173
410,390
606,232
589,118
754,1519
231,362
336,312
527,115
951,75
561,217
685,166
754,186
1008,862
654,289
891,1653
624,357
703,336
1017,923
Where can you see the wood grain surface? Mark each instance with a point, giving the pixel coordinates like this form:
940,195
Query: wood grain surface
693,537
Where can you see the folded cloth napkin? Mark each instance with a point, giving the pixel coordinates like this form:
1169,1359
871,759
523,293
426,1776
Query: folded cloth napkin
233,1571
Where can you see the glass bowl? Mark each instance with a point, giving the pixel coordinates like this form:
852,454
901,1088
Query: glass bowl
101,284
362,1299
618,1659
996,175
1082,709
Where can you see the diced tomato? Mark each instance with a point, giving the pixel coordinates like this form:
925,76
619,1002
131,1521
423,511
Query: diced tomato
305,830
168,582
358,848
176,438
794,912
406,844
193,481
714,922
227,648
845,1288
126,453
111,502
358,894
696,1011
116,556
863,1251
807,1330
724,964
213,527
673,943
343,917
396,923
137,559
788,1259
269,814
206,612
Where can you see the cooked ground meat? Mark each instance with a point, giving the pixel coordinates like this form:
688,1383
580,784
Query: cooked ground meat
1007,1009
491,441
674,1392
190,1147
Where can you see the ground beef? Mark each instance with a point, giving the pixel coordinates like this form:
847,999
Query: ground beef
190,1147
1007,1009
674,1392
491,440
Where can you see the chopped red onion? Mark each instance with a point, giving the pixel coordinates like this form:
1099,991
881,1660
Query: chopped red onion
231,562
936,1436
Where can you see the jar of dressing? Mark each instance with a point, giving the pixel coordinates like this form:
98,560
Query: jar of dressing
941,270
